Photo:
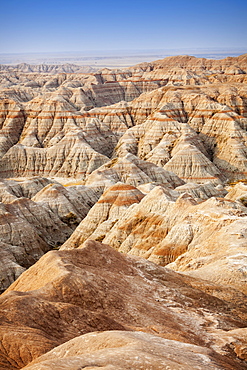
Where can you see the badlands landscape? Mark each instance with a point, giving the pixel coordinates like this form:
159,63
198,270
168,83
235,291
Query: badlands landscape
124,216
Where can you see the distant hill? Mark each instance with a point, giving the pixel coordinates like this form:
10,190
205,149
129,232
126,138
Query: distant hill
46,68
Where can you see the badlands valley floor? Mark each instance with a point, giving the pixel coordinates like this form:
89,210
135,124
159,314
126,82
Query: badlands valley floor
123,216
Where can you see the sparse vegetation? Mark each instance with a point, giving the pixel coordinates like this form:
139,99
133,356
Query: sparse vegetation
70,219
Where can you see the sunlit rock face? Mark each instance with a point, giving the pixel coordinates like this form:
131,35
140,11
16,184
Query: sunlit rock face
151,161
122,350
204,238
70,293
185,114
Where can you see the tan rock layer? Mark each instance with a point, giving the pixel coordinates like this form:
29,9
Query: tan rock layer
70,293
46,117
123,350
204,239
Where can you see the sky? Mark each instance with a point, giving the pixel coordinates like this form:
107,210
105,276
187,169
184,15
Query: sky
57,26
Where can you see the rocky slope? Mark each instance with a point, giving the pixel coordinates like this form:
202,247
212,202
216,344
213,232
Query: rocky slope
37,215
69,293
129,350
206,239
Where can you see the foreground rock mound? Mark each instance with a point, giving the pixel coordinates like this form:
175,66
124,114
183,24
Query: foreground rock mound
128,350
70,293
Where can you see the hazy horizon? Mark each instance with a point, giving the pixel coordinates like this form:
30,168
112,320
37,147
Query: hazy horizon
112,59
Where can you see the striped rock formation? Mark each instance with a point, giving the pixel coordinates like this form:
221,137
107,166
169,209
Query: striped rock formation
104,214
205,239
160,109
147,160
37,215
133,171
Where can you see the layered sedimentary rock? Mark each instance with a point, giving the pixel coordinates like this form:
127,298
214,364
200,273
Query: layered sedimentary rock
132,171
147,160
71,156
27,230
188,130
70,203
205,239
187,114
37,215
27,187
202,191
70,293
105,213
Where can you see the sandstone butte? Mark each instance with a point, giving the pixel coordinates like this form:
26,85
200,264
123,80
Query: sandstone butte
151,161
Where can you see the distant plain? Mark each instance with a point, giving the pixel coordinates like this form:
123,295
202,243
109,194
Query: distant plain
113,59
